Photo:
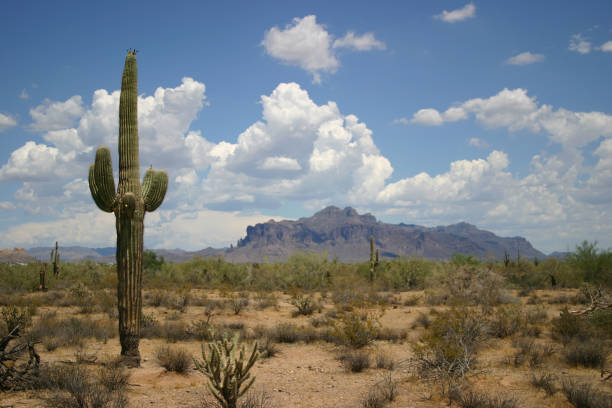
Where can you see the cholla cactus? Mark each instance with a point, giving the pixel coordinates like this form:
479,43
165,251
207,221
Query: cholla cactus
129,204
227,372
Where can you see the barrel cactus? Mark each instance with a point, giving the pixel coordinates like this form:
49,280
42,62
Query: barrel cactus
129,204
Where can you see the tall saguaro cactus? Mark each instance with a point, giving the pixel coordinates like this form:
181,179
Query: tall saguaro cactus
129,204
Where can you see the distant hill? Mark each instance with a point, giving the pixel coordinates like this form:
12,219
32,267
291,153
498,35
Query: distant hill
342,233
345,234
16,255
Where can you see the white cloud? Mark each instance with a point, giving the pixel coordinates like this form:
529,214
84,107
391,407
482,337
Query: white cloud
56,115
37,162
94,229
476,142
7,206
308,45
579,44
303,43
402,121
516,110
6,122
280,163
24,94
427,117
606,47
365,42
468,11
525,58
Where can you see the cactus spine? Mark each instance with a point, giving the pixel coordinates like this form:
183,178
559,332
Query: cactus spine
129,204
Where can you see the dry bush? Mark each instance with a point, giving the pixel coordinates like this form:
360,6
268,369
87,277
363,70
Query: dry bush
382,392
78,386
469,398
355,361
544,381
384,361
466,285
583,395
267,348
448,348
506,321
590,353
176,331
173,359
239,302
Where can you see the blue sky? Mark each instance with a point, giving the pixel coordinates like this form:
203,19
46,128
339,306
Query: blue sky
494,113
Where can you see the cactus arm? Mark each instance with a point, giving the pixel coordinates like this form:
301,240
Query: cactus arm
154,186
101,183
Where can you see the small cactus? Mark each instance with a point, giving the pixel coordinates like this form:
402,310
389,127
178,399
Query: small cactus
228,373
129,204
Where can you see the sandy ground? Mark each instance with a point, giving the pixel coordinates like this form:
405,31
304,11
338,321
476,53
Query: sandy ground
310,375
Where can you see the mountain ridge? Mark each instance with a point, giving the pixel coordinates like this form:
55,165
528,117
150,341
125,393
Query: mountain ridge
344,235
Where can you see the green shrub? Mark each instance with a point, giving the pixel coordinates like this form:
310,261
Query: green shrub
570,326
356,330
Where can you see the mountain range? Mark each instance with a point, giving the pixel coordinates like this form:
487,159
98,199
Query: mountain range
343,234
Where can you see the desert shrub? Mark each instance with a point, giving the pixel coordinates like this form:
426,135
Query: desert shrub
404,273
308,271
305,305
384,361
544,381
373,399
256,399
536,315
239,302
264,300
173,359
569,326
466,285
506,321
355,361
356,330
594,264
14,316
422,320
202,330
448,347
531,353
82,297
267,348
602,320
286,333
590,353
77,386
583,395
469,398
175,331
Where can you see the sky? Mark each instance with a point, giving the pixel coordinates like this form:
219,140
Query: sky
424,112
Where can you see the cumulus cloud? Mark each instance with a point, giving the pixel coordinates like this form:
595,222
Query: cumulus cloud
365,42
52,115
516,110
606,47
476,142
308,45
579,44
525,58
467,11
6,122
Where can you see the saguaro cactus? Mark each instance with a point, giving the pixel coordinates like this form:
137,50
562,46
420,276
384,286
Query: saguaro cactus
129,204
373,259
55,259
